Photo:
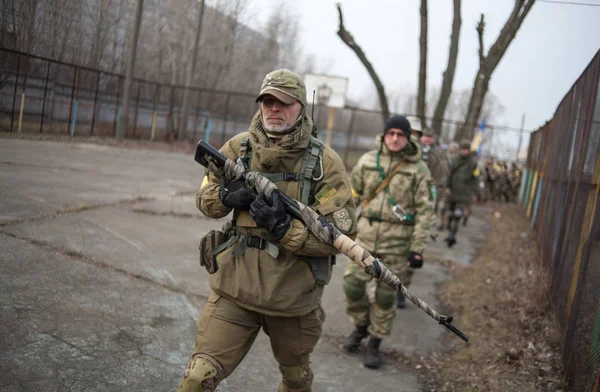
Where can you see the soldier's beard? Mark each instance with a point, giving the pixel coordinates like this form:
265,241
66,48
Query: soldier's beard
277,131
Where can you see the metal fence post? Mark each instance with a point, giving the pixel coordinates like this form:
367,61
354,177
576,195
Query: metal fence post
95,103
197,115
349,138
45,93
12,114
117,108
170,115
154,114
72,98
225,119
137,105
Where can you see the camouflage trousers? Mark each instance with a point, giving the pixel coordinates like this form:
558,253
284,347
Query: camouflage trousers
227,331
377,313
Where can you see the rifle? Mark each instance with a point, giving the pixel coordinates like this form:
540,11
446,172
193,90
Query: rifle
212,159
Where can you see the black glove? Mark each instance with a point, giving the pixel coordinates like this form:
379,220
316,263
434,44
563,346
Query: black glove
413,261
235,194
272,218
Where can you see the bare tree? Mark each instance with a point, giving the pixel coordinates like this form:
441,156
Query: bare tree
421,92
448,78
349,40
124,118
190,74
489,62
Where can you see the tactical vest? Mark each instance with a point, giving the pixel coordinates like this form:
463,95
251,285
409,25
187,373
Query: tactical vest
311,171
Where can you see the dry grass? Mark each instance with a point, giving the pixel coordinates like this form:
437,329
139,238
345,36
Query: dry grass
503,305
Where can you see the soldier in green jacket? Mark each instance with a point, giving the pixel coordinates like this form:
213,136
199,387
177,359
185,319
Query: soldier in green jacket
461,188
394,225
268,271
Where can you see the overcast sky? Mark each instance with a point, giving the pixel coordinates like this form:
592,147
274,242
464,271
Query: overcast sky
554,45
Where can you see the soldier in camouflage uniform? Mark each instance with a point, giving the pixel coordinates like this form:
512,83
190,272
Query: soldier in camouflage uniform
489,178
461,188
514,181
502,184
394,225
437,162
268,271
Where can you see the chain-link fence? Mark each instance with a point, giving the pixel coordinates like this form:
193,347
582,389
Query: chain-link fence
560,193
41,95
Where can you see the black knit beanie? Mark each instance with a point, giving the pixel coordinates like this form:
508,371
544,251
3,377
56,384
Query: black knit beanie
398,122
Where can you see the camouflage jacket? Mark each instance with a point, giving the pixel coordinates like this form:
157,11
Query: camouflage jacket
285,285
438,165
379,230
463,181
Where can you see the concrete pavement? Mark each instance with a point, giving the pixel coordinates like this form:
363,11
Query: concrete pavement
100,287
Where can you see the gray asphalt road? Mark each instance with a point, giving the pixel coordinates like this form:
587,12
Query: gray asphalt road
100,288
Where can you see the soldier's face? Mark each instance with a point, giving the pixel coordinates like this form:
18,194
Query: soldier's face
395,140
464,152
427,140
278,116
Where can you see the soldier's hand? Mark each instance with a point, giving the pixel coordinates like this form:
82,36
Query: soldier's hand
235,194
415,260
273,218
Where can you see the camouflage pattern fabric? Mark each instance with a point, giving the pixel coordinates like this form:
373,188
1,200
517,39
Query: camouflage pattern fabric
379,229
379,315
255,280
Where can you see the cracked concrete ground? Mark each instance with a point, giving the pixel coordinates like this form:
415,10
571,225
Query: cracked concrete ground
100,287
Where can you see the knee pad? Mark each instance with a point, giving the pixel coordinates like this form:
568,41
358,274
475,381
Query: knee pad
296,378
353,288
385,297
203,374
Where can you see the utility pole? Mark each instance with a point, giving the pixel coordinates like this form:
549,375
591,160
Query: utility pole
190,76
520,137
124,117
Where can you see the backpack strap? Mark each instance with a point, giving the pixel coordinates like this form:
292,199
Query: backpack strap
311,169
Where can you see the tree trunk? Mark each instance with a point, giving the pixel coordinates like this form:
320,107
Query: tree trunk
349,40
422,66
487,64
124,119
448,78
189,76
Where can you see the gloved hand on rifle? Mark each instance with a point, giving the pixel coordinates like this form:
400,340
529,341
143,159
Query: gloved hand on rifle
415,260
235,194
273,218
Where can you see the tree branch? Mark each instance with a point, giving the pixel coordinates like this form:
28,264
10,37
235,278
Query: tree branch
448,78
480,28
489,62
421,93
349,40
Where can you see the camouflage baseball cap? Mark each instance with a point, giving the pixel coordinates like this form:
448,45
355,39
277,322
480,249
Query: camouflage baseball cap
285,85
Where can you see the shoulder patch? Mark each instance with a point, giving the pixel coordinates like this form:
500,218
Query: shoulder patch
342,220
325,193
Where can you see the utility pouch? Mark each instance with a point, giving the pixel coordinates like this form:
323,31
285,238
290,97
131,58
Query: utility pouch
322,268
213,243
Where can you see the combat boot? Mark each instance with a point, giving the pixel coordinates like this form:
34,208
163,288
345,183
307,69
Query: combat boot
373,360
352,342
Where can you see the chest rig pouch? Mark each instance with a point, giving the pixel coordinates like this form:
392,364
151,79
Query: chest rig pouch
311,171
